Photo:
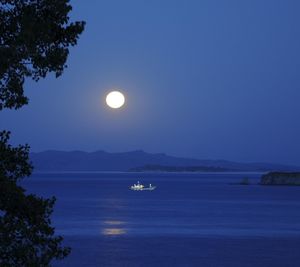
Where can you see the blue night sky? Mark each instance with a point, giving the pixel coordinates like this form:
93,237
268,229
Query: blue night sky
205,79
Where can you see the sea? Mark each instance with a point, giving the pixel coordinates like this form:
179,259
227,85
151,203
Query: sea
190,219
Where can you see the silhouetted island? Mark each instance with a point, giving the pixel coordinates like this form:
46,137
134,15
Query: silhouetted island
133,160
163,168
281,178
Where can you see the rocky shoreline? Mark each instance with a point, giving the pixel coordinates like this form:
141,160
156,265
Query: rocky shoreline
281,178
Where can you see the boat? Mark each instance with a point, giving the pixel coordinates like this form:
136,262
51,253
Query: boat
141,187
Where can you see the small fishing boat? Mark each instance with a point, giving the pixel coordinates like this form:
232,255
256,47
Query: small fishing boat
141,187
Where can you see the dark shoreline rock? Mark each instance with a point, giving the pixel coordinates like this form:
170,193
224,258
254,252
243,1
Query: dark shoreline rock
281,178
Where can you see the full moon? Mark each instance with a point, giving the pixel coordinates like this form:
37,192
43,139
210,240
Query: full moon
115,99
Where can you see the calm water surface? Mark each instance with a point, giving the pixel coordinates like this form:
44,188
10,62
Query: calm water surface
189,220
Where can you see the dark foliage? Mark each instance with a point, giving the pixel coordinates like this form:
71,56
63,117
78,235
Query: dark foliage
26,235
35,36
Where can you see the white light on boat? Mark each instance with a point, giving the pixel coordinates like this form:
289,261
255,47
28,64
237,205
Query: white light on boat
141,187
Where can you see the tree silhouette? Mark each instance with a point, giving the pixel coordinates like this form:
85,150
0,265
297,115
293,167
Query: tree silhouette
35,37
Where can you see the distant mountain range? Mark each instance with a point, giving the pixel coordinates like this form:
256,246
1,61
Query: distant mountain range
139,161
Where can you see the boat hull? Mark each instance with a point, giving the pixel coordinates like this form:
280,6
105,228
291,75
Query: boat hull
143,189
